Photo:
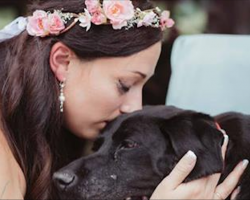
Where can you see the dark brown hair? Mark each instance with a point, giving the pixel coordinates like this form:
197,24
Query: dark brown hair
29,105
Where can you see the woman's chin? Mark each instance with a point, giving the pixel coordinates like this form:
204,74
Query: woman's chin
92,132
90,135
102,125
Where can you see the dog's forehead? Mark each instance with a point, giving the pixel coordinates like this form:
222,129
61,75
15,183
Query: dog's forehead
147,114
161,111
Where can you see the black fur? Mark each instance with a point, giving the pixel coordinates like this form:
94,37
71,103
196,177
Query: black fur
136,151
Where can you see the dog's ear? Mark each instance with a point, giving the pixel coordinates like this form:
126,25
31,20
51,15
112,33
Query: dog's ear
196,132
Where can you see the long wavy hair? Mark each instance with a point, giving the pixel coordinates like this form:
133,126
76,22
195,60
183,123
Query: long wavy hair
31,119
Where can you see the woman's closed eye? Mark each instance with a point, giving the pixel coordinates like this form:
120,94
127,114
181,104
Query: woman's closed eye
123,88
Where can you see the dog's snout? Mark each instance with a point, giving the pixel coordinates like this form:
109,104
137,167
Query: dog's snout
64,179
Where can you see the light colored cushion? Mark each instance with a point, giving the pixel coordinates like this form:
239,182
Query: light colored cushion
210,73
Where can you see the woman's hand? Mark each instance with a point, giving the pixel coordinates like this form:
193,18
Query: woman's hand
205,188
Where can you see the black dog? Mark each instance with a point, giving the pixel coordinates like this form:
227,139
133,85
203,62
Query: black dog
136,151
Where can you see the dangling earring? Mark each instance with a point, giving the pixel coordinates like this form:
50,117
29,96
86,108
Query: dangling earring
61,96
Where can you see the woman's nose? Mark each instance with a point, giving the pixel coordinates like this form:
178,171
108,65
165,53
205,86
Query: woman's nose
132,105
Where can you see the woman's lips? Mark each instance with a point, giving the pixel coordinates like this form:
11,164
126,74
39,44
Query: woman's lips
103,124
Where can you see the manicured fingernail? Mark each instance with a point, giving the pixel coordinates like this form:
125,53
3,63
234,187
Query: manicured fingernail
226,139
245,163
191,157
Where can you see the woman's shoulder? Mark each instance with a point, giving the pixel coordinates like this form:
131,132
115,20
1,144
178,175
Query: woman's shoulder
12,182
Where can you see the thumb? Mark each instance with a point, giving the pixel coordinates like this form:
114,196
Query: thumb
181,171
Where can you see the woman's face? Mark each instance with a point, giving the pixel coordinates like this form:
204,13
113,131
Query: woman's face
98,91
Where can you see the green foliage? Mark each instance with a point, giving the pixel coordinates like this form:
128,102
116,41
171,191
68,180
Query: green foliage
7,14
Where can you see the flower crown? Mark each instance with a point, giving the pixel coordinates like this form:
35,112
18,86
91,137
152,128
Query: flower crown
118,13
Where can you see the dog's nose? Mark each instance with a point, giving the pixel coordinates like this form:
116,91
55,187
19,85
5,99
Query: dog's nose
64,179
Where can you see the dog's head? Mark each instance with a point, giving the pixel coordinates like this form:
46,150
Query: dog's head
136,151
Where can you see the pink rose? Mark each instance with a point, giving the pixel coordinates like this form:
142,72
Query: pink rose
119,12
119,24
170,23
85,20
56,24
148,19
92,5
165,21
38,24
99,18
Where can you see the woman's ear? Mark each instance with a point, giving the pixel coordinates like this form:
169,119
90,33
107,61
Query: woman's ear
60,57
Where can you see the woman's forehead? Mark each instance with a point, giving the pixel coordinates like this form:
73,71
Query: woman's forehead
141,64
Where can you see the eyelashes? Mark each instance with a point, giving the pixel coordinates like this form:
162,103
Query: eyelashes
122,87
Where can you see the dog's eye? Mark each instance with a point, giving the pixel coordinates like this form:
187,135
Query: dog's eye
128,144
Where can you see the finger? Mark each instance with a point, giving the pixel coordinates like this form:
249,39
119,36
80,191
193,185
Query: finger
181,171
228,185
214,179
194,186
235,193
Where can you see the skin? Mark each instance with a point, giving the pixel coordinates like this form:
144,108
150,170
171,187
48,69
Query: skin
12,181
4,189
97,92
205,188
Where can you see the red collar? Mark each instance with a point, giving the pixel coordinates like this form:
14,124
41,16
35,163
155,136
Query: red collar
217,126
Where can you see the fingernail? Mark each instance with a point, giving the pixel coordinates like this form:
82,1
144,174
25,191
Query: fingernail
245,163
191,157
226,139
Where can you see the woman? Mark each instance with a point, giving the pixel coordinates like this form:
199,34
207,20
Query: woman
96,63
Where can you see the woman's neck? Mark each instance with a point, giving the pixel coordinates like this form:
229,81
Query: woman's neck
3,141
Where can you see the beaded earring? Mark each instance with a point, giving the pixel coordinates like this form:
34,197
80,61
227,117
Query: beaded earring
61,96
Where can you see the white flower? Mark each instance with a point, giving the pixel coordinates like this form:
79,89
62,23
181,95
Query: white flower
148,19
85,20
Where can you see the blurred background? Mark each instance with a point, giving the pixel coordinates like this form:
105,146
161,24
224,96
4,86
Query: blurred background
191,17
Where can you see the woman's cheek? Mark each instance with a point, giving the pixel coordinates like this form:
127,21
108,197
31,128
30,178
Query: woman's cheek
111,97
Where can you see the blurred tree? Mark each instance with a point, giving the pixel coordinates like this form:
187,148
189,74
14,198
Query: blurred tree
228,17
10,9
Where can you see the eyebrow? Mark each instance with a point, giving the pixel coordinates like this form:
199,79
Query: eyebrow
141,74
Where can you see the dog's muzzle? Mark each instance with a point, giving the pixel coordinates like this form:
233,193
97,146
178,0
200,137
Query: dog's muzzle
64,180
